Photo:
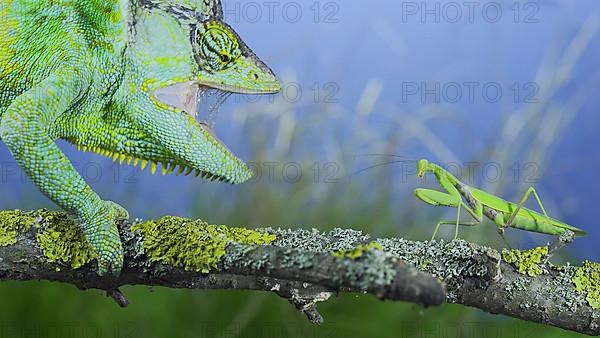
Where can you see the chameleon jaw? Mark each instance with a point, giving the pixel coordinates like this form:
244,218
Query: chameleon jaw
184,96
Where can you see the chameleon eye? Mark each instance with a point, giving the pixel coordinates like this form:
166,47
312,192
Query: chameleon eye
216,48
224,57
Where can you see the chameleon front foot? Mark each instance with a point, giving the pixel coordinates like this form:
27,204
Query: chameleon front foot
104,238
110,257
109,251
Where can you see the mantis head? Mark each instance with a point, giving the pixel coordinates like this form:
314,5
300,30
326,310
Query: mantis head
422,167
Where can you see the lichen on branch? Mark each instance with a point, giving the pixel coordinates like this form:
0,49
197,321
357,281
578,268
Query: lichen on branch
587,279
527,262
193,245
11,224
307,266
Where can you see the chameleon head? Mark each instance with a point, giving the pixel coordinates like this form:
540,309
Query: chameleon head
220,60
181,51
422,166
226,63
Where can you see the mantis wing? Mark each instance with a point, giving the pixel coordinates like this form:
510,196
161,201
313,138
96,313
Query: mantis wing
527,219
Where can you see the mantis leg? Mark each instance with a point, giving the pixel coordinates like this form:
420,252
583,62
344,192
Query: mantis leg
452,199
501,232
476,218
453,223
530,191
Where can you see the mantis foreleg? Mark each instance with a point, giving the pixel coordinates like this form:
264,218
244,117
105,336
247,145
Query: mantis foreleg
451,199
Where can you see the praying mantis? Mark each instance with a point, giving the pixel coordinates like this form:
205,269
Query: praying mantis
480,203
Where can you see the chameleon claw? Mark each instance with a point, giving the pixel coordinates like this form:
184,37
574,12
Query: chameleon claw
111,266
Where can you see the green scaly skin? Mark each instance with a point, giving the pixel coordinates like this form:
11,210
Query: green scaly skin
118,78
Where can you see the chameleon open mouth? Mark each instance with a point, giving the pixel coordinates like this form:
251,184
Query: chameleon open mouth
185,96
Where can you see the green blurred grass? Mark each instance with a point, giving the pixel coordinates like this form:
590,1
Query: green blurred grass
41,309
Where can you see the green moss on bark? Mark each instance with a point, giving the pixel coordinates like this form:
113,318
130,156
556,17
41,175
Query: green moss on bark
62,241
358,251
11,224
59,238
193,245
527,262
587,279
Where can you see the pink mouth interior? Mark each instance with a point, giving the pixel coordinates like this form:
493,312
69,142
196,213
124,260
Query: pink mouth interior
185,96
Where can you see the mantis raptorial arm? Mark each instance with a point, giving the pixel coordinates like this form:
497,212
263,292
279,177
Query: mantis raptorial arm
439,198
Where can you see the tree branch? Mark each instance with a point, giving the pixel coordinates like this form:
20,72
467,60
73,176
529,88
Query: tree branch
307,267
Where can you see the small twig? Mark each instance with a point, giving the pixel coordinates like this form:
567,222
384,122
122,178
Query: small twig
307,303
119,297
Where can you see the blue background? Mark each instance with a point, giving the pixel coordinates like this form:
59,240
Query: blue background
364,58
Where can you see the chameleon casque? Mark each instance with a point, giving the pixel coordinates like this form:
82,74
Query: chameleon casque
119,78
